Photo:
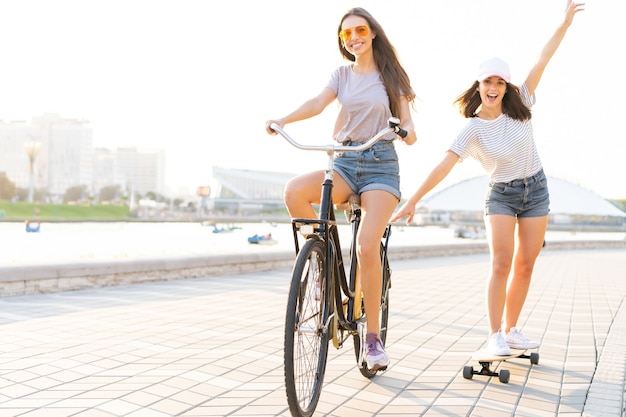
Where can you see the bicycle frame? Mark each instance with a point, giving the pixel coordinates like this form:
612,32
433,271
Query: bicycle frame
327,231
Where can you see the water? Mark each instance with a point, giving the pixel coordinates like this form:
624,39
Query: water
70,242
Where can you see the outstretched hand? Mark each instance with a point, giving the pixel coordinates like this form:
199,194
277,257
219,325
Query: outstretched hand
407,210
571,9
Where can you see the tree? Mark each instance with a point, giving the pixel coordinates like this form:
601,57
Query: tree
110,193
152,195
76,193
7,187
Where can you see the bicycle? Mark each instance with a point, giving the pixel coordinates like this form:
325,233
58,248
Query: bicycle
325,303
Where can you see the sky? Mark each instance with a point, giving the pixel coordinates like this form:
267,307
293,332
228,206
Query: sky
199,78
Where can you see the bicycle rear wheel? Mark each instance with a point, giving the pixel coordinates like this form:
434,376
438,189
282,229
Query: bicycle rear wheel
383,317
306,333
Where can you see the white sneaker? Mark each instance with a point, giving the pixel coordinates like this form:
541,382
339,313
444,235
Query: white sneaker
516,340
497,346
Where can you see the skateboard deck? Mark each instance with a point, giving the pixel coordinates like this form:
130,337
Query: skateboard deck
483,355
485,359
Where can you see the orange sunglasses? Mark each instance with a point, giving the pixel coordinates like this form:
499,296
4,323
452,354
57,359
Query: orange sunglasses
346,34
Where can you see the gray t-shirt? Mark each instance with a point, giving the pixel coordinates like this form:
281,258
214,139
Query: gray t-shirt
504,147
364,105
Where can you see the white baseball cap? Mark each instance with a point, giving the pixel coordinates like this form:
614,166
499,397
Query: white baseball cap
494,66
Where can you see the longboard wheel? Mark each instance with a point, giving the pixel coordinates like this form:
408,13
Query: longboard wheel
504,375
534,358
468,372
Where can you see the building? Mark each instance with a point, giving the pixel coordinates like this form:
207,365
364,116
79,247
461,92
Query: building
570,204
66,154
15,137
105,172
63,156
61,151
242,191
245,190
133,170
141,170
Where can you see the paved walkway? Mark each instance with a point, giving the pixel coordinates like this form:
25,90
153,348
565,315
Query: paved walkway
213,346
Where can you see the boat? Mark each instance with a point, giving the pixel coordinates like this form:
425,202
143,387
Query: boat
262,239
222,229
32,227
217,228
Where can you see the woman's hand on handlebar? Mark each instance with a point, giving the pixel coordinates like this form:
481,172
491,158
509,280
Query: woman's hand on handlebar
406,121
268,125
410,138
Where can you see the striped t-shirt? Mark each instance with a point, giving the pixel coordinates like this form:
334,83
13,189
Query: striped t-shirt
505,147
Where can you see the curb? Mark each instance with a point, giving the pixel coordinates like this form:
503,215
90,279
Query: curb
38,279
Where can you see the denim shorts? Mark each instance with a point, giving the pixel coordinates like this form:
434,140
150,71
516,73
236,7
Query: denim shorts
526,197
375,168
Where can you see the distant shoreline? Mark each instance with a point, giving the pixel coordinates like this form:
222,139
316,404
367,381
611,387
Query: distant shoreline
286,220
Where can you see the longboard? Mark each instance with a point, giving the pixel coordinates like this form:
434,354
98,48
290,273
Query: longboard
485,359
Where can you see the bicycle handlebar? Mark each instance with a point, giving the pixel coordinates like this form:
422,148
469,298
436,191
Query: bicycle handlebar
394,126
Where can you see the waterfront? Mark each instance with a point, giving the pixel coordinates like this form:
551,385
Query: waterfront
63,242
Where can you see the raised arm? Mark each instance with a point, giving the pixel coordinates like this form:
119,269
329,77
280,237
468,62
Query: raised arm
435,177
534,76
308,109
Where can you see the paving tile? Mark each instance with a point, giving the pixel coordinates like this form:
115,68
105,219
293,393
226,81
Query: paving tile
213,346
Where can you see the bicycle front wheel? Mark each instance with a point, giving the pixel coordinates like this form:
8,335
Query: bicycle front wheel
306,332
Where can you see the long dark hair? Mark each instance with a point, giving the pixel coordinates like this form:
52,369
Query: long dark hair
512,104
394,77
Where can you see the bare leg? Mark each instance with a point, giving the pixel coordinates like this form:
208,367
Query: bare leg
377,208
305,190
500,234
530,236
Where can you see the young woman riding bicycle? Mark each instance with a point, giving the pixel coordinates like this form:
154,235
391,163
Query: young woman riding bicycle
370,89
